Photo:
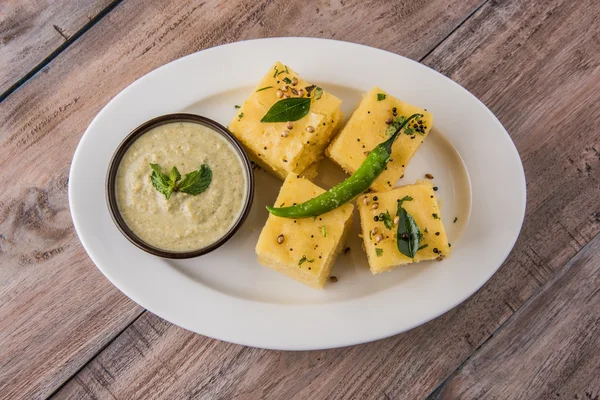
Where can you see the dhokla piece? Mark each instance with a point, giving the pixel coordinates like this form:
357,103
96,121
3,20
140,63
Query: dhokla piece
375,119
304,249
380,241
291,146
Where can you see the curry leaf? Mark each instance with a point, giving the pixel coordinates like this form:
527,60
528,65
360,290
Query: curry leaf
285,110
408,234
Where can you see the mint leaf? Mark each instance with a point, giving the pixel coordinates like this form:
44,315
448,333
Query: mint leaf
193,183
196,182
160,181
285,110
381,96
175,175
408,235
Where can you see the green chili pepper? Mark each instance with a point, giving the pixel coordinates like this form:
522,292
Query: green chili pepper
356,184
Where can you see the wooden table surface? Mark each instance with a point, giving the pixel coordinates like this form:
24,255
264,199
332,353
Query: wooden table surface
532,332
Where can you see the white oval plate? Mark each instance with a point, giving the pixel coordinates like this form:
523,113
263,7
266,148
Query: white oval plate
229,296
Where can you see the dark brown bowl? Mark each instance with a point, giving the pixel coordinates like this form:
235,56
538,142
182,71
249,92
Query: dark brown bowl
116,161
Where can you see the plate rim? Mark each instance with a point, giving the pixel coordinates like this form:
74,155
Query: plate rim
303,346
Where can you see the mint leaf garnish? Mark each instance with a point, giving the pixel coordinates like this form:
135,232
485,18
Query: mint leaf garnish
197,181
193,183
160,181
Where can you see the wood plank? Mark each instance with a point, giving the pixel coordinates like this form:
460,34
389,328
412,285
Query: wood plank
31,30
55,308
548,349
536,65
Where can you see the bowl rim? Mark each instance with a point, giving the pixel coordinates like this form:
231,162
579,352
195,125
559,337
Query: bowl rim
142,129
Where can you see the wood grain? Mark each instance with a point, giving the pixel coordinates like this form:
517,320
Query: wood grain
536,65
548,349
56,310
31,30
